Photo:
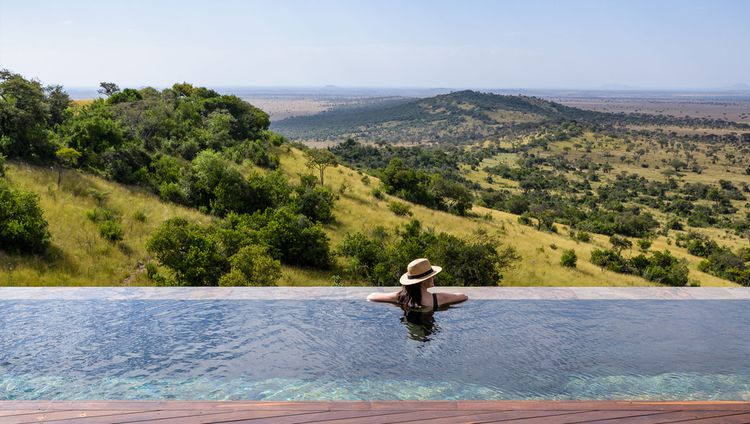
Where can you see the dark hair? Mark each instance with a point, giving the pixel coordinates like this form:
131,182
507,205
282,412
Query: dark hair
410,296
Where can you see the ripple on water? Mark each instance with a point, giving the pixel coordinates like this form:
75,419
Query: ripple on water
348,350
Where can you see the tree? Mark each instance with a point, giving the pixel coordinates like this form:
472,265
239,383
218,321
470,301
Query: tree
22,225
190,251
67,156
108,88
92,130
252,266
24,114
59,102
620,243
321,159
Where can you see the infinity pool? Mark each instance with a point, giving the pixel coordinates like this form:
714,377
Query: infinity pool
355,350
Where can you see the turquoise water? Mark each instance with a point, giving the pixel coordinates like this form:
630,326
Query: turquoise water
352,350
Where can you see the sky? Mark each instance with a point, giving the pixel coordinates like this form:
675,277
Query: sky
407,43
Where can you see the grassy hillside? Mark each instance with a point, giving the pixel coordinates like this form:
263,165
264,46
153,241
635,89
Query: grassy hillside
80,257
358,210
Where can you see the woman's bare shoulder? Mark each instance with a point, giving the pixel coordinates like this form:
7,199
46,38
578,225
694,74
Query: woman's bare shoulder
448,298
383,297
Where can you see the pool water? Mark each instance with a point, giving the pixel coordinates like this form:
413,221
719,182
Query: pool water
357,350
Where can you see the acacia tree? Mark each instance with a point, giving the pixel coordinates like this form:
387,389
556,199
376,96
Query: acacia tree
321,159
67,156
108,88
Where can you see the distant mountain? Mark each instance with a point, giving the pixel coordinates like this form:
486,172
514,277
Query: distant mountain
456,117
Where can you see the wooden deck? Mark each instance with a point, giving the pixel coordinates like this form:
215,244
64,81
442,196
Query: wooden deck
437,412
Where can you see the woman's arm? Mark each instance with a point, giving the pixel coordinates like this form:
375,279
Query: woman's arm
383,297
448,298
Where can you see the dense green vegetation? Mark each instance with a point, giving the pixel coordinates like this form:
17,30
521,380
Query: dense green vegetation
211,152
379,257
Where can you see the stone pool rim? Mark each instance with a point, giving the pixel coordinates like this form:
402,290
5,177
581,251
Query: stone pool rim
359,293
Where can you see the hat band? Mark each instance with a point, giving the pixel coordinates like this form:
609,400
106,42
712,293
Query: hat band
424,274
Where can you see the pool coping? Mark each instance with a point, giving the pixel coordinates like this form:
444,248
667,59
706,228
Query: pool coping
360,293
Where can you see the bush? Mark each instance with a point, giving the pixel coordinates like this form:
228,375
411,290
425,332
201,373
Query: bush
400,208
377,193
293,238
315,203
111,231
661,267
22,225
252,266
190,251
569,258
644,244
140,216
381,258
583,236
609,259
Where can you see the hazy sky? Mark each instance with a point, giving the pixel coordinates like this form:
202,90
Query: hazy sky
406,43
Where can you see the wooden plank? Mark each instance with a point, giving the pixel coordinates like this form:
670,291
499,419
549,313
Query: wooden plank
727,419
429,415
663,417
605,415
148,416
490,416
61,415
597,405
224,417
12,412
330,416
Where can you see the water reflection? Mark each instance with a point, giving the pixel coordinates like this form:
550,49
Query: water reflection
420,325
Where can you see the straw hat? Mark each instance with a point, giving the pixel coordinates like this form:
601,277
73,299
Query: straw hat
419,270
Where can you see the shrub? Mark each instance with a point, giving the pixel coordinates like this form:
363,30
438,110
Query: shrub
400,208
609,259
315,203
139,216
22,225
381,258
569,258
644,244
664,268
377,193
100,214
252,266
111,231
293,238
190,251
583,236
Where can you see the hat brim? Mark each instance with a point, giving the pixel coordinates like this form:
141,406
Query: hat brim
406,281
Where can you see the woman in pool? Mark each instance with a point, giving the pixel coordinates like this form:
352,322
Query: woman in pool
419,277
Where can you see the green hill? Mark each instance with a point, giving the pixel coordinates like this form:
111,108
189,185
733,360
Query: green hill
457,117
